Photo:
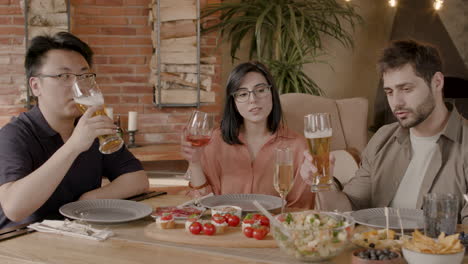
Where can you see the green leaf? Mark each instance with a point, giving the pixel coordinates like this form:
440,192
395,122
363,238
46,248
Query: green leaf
283,34
289,218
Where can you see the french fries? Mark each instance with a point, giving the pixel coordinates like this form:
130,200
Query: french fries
443,245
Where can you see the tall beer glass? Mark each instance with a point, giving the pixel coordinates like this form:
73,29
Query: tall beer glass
87,94
318,132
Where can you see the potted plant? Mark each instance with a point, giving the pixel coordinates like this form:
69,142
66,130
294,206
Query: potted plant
283,34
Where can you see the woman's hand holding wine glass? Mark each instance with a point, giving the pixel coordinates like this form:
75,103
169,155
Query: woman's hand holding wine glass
195,137
199,128
196,134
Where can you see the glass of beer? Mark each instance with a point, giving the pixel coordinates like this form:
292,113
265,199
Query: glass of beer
86,94
284,174
199,128
318,132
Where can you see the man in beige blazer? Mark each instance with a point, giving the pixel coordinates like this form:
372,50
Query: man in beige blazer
426,151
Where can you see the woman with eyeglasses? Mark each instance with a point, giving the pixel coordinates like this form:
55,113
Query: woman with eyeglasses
240,157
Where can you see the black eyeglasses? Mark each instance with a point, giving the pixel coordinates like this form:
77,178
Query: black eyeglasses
68,77
260,91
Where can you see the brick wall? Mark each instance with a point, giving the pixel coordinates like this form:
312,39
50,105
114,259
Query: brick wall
119,34
12,49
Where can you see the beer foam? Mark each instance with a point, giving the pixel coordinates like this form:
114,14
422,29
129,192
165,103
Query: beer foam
319,134
95,100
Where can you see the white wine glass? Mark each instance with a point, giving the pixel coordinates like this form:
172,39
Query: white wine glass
199,128
86,94
318,132
284,174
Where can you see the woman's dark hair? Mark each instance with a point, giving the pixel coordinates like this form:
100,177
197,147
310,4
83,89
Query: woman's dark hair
424,58
40,45
232,120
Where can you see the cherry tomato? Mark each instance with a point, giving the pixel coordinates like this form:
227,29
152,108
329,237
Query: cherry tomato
248,231
233,220
349,231
266,229
226,216
166,217
248,221
256,217
219,219
281,218
264,221
209,229
195,228
259,233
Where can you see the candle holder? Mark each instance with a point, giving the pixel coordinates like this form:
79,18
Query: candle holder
131,139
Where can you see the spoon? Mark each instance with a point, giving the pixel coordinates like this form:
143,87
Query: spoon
272,219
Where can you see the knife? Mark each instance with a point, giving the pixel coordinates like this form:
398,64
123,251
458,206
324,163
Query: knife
15,231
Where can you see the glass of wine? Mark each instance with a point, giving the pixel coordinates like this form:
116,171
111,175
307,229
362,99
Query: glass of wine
283,177
199,128
86,94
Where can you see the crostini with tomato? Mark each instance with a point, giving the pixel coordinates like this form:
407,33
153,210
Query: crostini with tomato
165,221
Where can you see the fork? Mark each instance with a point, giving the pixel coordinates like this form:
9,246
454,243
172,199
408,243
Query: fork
195,202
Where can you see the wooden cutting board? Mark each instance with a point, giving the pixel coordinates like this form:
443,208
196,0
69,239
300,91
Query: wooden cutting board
232,237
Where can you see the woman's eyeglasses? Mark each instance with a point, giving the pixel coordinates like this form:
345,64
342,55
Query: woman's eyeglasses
260,91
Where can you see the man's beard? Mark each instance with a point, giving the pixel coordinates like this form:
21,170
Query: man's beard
421,113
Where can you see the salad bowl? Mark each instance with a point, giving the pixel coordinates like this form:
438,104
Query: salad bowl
313,235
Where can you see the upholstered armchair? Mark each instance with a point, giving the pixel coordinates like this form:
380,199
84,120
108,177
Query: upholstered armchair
349,121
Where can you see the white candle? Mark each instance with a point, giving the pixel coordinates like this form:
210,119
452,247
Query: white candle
110,112
132,120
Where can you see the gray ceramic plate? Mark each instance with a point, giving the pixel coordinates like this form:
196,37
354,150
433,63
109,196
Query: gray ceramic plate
244,201
106,210
375,217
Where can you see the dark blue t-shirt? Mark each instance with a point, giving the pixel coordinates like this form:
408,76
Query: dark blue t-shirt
28,141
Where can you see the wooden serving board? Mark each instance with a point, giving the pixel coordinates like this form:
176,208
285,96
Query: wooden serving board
232,237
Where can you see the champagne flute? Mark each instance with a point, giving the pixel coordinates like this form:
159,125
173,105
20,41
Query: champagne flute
318,132
283,177
86,94
199,128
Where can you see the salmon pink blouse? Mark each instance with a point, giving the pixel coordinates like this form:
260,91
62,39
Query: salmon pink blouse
230,168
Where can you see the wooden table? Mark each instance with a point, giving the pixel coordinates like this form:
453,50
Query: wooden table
157,152
129,245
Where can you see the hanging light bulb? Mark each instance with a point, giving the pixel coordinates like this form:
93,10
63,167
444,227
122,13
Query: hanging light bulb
392,3
438,4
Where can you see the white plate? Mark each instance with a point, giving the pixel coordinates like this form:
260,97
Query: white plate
106,210
243,201
375,217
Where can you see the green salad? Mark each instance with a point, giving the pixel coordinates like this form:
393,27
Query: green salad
313,235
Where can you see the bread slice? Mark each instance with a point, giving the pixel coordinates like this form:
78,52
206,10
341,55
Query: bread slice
165,224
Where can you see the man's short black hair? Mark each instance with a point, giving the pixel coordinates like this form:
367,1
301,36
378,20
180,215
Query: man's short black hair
40,45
